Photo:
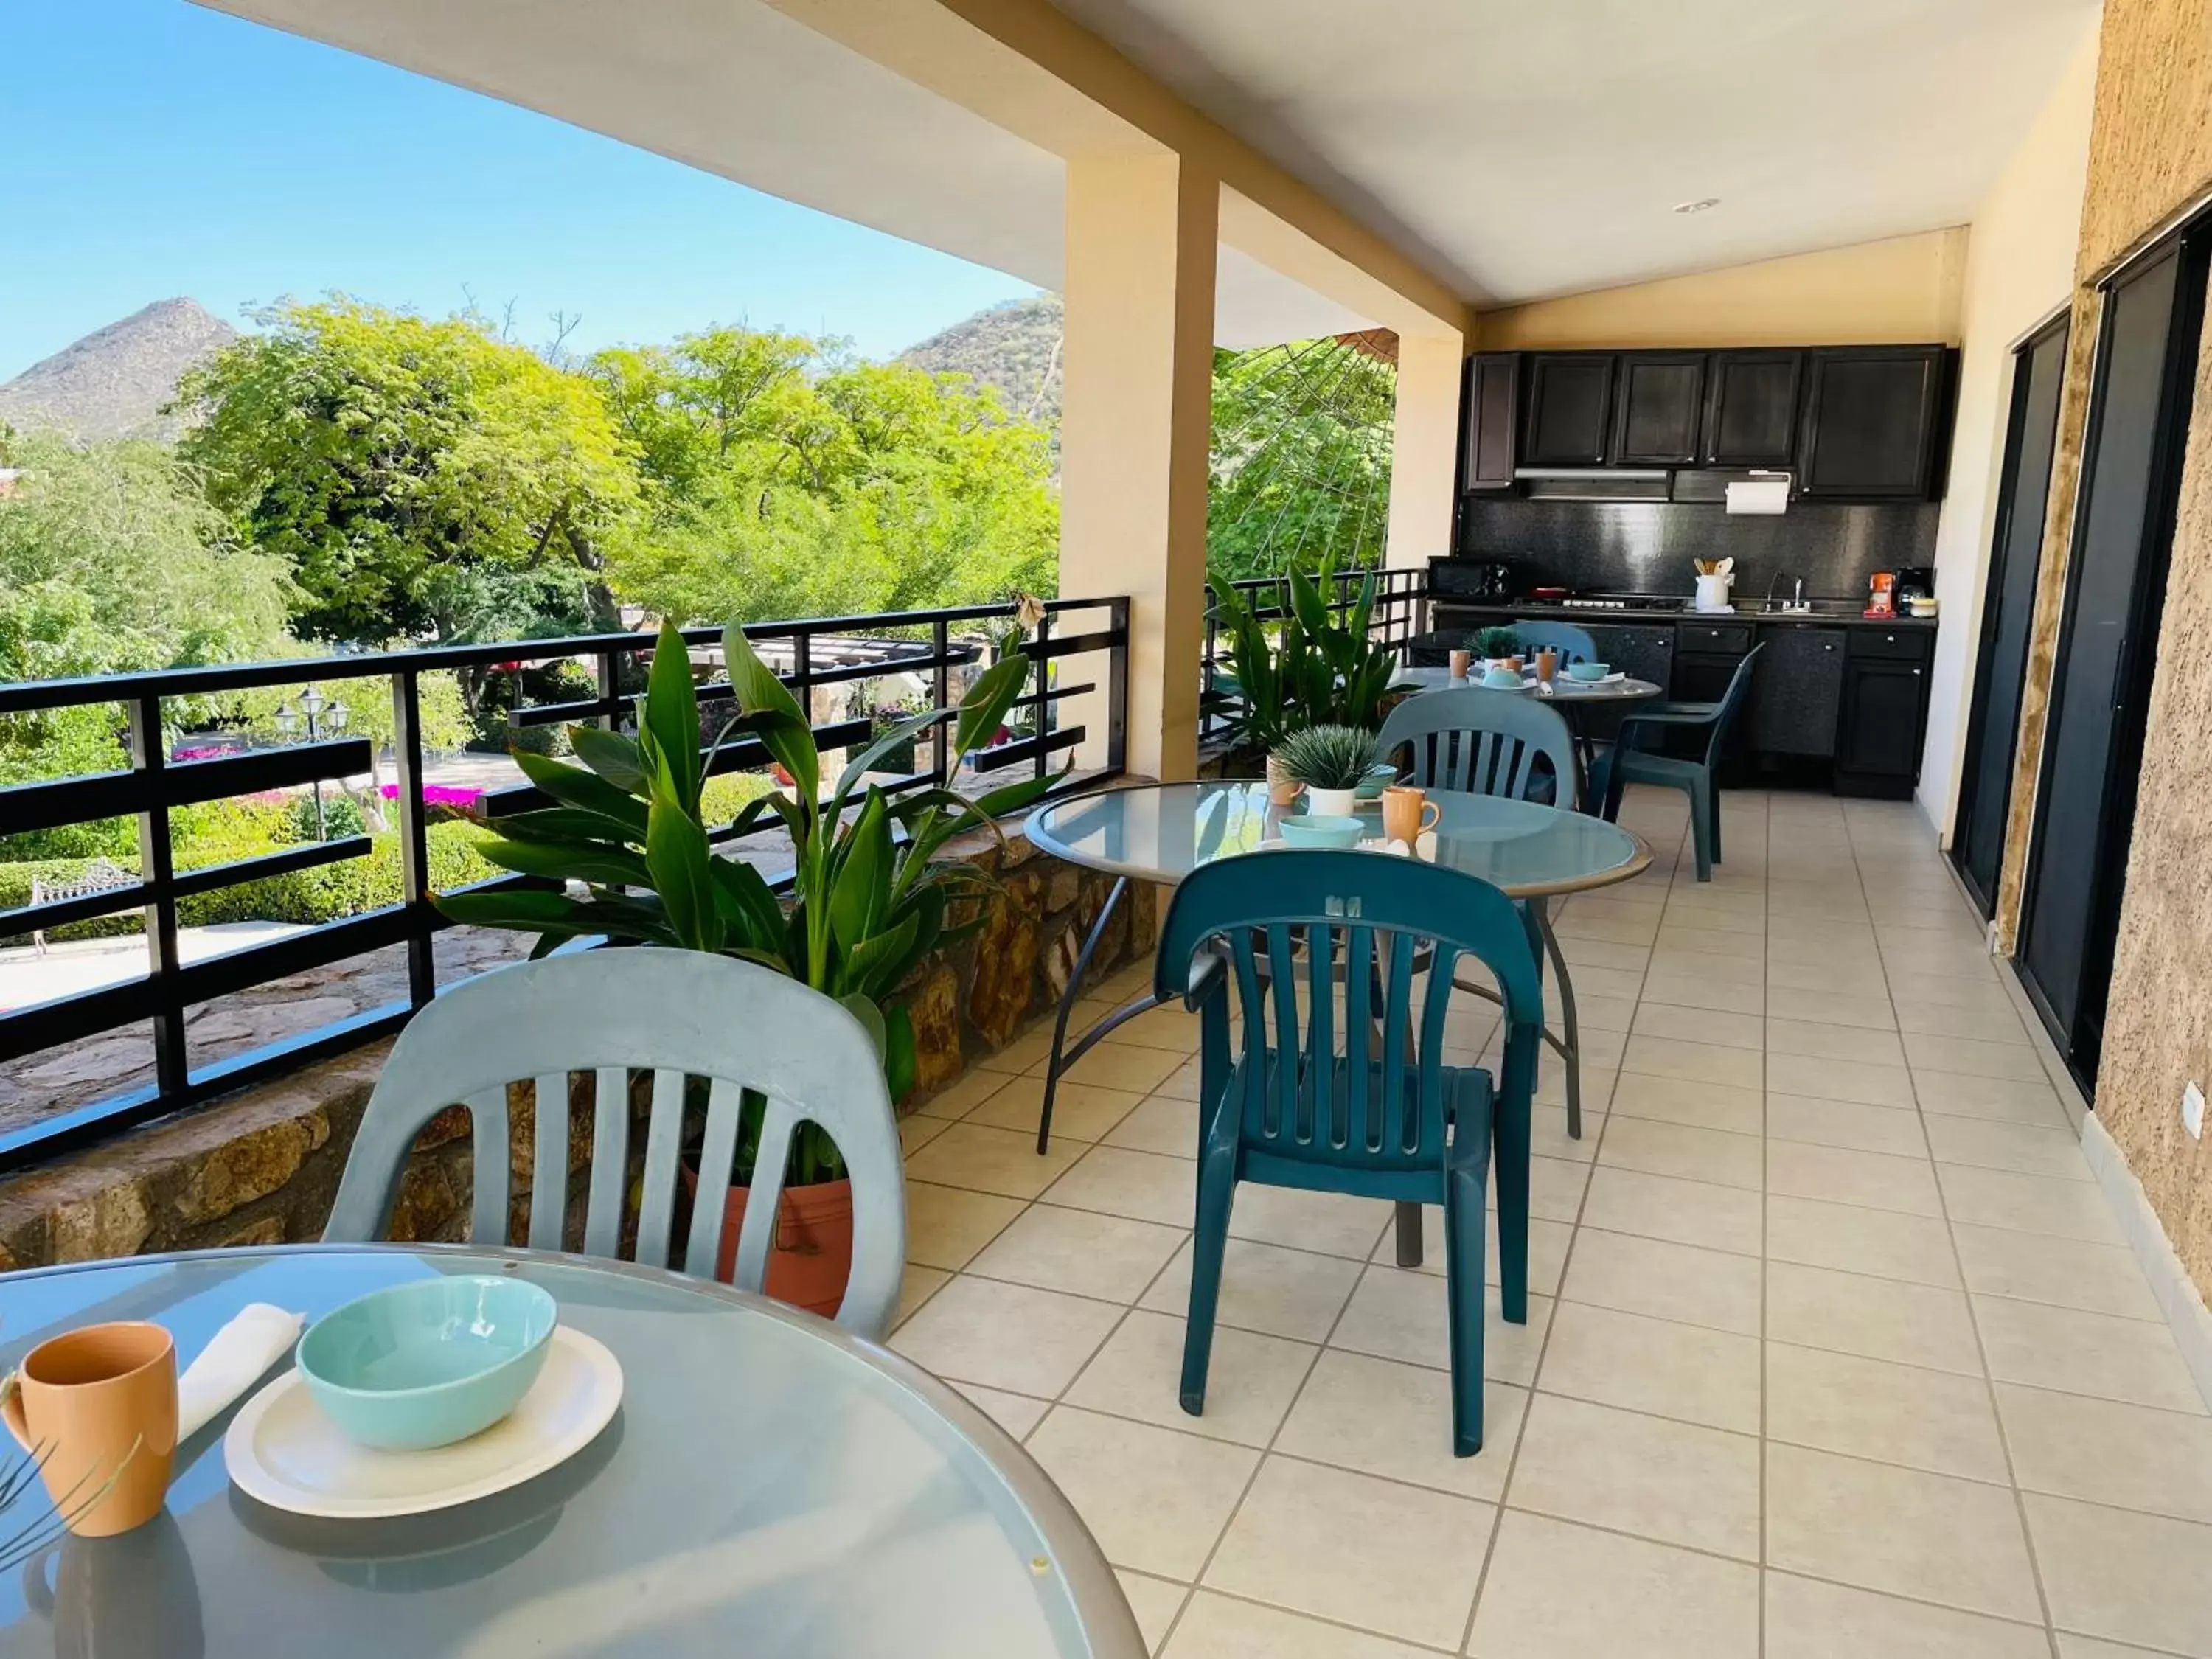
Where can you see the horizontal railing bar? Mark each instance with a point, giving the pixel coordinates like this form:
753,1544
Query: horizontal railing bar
1071,645
27,1030
28,806
570,713
741,754
209,878
25,696
295,953
1007,754
59,913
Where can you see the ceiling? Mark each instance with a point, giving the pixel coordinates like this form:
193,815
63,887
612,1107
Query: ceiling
1535,148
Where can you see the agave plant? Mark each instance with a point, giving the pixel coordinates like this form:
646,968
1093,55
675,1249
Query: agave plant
1315,671
1498,641
1327,756
869,897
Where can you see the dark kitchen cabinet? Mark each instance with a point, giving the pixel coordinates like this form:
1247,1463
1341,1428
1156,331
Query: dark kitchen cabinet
1878,726
1492,403
1660,397
1751,413
1642,653
1569,414
1797,688
1876,418
1706,654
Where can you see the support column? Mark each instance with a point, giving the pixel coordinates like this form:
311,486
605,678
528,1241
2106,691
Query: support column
1425,449
1136,413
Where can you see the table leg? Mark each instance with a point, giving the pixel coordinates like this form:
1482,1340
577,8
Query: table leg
1054,1063
1571,1049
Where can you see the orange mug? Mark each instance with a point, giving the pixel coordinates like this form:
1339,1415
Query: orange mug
99,1405
1462,661
1407,813
1548,664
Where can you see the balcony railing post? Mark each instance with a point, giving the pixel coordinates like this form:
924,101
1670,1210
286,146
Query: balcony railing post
1117,690
940,640
149,757
1039,705
414,836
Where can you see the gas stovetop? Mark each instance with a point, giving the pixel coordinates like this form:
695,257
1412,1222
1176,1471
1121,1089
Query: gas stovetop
1621,601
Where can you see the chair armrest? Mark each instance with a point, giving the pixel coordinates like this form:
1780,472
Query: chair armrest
1209,977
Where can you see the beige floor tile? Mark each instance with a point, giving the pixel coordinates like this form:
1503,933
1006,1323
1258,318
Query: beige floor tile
1867,1082
2137,1578
1582,953
1156,1601
1878,1318
2012,1058
1687,1372
1696,992
1397,1315
1182,1083
1867,1012
1977,1022
1250,1379
1674,1482
986,1160
2025,1203
1222,1627
1809,1620
1028,1050
1703,1062
1170,1028
1679,1100
1616,984
2047,1347
1555,1185
916,1131
1885,1412
1330,1223
1080,1111
1930,1537
2095,1278
2104,1452
1839,1174
1711,941
2088,1647
1017,1413
1861,980
2024,1148
1386,1418
1940,957
1596,1012
1836,946
1629,925
1657,1019
1156,1499
1005,1336
1690,1154
1265,1288
1161,1124
963,1094
1843,1123
1080,1251
947,1225
1123,1066
1547,1249
1555,1591
1548,1136
1821,1040
1373,1553
1677,963
916,1285
1955,1094
1684,1211
1679,1282
1854,1239
1140,1185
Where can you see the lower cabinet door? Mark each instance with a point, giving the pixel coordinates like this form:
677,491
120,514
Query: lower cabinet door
1878,730
1797,690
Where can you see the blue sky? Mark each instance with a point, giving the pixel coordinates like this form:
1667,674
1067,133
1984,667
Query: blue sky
149,148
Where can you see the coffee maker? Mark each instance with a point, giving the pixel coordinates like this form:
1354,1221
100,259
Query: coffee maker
1914,581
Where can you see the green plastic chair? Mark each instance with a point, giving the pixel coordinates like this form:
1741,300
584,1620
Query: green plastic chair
1296,1103
1627,764
1572,643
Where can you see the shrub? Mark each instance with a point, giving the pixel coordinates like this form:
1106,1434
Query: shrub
724,797
342,817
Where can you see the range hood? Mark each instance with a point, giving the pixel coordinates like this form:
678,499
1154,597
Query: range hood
1594,483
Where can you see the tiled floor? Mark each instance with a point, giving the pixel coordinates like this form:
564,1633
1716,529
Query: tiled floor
1833,1350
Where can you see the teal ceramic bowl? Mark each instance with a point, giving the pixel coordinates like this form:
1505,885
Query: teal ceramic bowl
1589,672
1501,679
1380,776
1319,829
426,1363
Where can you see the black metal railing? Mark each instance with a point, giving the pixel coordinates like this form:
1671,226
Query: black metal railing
825,651
1401,598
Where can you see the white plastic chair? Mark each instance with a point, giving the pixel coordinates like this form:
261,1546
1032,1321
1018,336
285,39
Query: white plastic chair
675,1013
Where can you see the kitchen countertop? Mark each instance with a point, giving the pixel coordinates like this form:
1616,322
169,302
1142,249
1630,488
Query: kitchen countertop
1840,614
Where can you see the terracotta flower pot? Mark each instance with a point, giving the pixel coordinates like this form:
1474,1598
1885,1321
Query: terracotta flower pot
811,1256
1282,788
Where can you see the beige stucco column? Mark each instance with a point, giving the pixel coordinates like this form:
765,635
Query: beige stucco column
1135,412
1423,448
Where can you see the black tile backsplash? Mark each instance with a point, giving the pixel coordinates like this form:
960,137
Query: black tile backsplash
1646,547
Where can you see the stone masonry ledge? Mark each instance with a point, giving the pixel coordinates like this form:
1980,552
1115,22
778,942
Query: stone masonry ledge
262,1166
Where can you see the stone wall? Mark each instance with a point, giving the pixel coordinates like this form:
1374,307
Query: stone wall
262,1166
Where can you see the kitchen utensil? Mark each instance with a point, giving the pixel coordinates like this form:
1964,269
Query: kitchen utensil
1406,812
1460,662
1322,829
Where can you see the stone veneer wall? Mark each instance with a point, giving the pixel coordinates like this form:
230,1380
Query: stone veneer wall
2150,159
262,1166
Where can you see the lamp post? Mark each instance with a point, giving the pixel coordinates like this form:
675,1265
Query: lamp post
321,713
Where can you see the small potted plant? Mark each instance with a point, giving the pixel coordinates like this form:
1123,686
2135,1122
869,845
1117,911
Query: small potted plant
1498,648
1330,761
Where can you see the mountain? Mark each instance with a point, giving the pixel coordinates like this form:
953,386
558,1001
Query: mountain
1014,346
114,382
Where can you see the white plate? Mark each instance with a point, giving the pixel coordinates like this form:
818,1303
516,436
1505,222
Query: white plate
281,1449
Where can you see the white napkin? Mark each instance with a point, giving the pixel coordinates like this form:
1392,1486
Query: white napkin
233,1362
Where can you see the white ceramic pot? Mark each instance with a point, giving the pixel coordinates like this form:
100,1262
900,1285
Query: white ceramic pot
1331,803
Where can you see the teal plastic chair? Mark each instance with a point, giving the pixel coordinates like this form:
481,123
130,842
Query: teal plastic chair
678,1014
1572,643
1295,1102
1627,764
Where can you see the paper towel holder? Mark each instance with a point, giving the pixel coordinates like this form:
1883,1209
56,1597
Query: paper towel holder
1762,492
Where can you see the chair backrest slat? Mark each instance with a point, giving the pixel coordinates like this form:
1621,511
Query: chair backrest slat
1482,742
1573,644
1359,1033
1283,981
756,1036
1319,1095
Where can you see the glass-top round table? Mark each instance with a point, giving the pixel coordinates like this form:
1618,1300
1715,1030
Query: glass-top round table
770,1485
1563,690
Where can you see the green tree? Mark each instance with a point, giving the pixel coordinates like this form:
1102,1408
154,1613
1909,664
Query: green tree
420,478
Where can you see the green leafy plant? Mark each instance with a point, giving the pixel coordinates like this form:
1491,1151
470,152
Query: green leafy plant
1327,756
869,897
1491,643
1311,669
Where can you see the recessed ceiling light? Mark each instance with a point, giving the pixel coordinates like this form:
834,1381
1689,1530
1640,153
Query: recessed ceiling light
1697,206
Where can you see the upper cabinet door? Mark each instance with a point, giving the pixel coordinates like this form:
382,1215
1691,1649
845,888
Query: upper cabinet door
1751,408
1875,422
1661,398
1570,421
1492,403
